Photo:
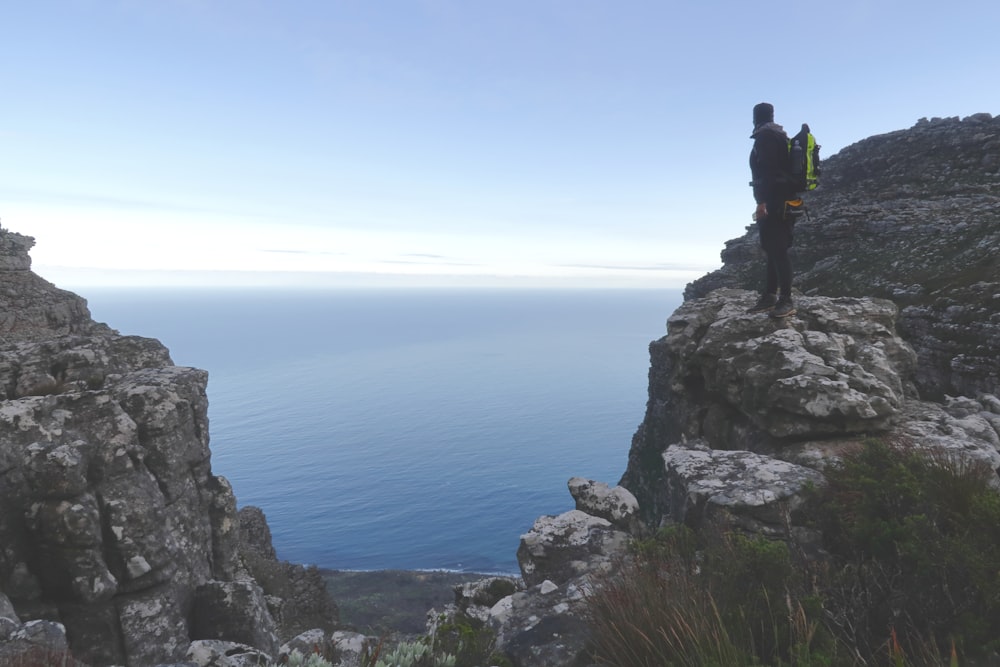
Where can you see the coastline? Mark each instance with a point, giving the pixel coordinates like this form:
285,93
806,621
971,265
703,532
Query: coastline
381,602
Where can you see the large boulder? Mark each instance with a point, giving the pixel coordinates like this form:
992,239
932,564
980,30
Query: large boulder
561,548
31,643
734,488
837,368
545,625
614,504
310,642
224,653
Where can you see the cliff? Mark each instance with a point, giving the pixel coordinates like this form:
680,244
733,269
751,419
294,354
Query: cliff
772,401
745,413
896,337
112,523
914,217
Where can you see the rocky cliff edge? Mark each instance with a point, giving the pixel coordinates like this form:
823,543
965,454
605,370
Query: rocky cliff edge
744,413
115,535
912,216
898,293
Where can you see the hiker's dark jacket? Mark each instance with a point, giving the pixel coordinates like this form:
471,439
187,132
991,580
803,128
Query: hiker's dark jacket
768,166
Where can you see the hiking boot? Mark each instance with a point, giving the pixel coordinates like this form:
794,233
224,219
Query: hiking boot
764,303
784,308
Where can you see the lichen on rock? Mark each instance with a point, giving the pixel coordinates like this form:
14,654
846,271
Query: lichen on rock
113,524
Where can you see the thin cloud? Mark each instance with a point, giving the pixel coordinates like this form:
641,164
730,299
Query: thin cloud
292,251
426,255
414,262
112,202
667,266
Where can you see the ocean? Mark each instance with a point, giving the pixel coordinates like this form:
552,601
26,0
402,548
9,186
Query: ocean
410,429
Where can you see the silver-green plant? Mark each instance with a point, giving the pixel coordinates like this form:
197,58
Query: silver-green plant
407,654
298,659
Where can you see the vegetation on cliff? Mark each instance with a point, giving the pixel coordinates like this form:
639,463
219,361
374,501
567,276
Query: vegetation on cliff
898,565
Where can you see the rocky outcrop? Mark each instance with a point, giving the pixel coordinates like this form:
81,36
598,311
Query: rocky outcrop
32,643
742,489
836,368
540,619
744,414
896,337
744,407
561,548
32,308
544,624
912,216
296,594
112,523
616,505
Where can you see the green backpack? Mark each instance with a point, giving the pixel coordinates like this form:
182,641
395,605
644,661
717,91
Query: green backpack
803,160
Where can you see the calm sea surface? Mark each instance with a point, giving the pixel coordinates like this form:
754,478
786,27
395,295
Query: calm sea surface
408,429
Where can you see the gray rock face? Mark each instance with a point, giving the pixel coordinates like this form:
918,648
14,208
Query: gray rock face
352,647
34,642
560,548
474,602
234,611
222,653
912,216
743,406
544,625
110,506
744,413
296,594
750,491
112,523
32,308
307,643
837,368
616,505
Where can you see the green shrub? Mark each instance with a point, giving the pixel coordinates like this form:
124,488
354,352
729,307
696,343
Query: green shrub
471,642
907,573
702,600
915,540
456,643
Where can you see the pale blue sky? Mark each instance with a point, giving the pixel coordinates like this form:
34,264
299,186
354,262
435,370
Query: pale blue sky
419,142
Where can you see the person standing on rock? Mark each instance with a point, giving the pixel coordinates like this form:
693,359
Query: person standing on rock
771,188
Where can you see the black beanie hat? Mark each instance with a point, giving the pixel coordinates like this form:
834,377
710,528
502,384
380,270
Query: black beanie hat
763,113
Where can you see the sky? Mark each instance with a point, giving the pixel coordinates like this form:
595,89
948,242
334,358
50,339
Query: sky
439,142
